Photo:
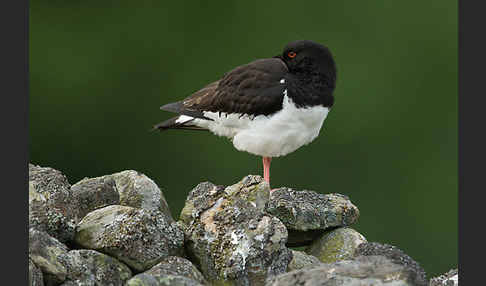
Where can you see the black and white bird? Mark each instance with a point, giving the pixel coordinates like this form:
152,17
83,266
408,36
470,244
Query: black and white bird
269,107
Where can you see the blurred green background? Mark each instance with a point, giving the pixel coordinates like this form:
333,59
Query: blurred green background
99,70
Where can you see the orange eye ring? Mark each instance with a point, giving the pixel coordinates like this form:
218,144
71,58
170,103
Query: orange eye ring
291,55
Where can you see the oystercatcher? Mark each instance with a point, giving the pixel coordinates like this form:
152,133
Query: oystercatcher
269,107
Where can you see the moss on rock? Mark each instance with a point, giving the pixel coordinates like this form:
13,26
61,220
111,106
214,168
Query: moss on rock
337,244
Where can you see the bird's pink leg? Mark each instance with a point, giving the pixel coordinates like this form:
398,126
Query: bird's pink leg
266,168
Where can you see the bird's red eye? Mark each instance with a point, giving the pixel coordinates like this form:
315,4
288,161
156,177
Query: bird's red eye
291,55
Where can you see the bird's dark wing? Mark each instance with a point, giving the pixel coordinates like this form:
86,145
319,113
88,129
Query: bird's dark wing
252,89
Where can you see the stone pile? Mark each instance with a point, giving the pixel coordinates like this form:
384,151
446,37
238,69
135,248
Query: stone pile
118,230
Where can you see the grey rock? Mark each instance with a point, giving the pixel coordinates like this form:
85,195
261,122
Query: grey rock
362,271
177,266
45,251
126,188
172,270
89,267
95,193
228,235
301,259
337,244
414,270
303,211
139,191
138,237
450,278
35,275
145,279
51,206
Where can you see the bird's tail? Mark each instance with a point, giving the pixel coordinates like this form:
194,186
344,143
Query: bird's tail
179,122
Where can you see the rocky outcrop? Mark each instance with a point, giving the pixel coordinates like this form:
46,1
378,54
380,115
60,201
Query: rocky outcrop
117,229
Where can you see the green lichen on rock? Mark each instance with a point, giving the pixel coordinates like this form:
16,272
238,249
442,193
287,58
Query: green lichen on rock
301,259
308,210
127,188
35,275
89,267
95,193
414,271
139,191
337,244
45,251
138,237
177,266
229,236
144,279
171,271
51,206
363,270
306,214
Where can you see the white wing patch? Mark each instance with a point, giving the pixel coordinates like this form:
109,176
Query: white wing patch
183,119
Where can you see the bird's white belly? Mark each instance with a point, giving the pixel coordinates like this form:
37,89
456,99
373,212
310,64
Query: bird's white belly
270,136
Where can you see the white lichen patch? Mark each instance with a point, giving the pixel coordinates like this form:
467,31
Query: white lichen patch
455,279
234,238
242,249
230,236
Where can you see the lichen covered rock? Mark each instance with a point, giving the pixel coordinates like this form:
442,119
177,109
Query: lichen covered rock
301,259
51,207
229,236
89,267
145,279
139,191
337,244
172,270
414,271
35,275
138,237
178,266
95,193
126,188
450,278
362,271
45,251
307,211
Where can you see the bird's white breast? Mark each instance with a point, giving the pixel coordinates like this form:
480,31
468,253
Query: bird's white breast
271,136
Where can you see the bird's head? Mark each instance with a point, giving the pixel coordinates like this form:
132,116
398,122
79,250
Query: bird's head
307,57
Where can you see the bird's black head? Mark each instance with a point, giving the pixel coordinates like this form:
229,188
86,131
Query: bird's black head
308,58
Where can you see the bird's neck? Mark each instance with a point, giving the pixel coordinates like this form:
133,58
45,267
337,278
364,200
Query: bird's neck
311,87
